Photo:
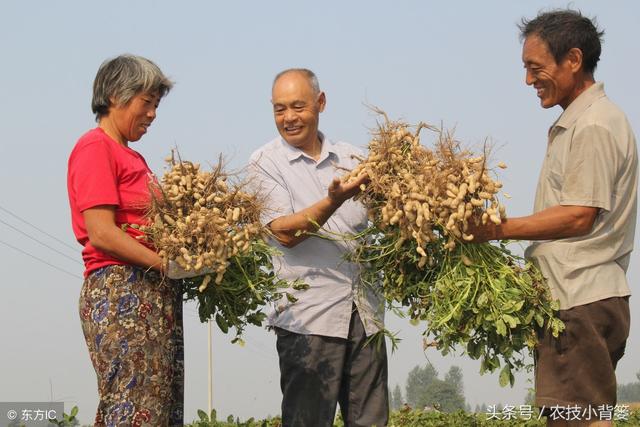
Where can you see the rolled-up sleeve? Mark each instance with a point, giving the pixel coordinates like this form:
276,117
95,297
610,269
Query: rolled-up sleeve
589,176
268,180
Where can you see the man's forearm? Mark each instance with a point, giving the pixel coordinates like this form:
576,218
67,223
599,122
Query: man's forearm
557,222
292,229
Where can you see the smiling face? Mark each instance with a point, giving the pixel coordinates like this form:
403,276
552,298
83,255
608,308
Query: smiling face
129,122
296,109
555,83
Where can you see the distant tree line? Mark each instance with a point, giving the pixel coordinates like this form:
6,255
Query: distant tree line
629,392
424,390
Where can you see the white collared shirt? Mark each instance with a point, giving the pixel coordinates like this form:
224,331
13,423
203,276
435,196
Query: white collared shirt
293,181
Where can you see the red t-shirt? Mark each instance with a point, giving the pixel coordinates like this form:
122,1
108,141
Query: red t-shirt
104,172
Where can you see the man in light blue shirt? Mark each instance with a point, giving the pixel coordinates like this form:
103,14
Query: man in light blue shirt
320,337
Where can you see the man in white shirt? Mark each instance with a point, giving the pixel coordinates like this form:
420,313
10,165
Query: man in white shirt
321,336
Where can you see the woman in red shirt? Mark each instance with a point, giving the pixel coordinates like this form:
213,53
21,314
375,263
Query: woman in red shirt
131,315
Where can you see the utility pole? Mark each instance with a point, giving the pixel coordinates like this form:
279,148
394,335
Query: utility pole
210,402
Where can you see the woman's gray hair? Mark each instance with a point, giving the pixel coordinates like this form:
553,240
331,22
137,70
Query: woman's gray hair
123,77
310,75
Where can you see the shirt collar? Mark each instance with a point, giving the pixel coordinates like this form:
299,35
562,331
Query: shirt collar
294,153
579,105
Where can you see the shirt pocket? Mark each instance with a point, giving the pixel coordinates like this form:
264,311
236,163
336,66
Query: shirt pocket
555,178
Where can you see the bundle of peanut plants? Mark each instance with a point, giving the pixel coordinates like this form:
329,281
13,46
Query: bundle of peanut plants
207,222
421,203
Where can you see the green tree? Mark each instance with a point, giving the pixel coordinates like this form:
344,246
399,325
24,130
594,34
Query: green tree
396,398
454,377
530,398
425,389
445,397
629,392
419,381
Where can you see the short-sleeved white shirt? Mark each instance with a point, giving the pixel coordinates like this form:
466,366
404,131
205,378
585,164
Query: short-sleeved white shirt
591,160
293,181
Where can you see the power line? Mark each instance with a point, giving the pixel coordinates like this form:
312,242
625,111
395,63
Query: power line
40,259
42,243
39,229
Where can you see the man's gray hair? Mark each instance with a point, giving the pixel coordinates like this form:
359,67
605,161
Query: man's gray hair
310,75
123,77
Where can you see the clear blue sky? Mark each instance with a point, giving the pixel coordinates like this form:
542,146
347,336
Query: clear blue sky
453,62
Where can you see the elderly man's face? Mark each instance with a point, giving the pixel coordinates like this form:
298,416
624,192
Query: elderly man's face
555,83
297,109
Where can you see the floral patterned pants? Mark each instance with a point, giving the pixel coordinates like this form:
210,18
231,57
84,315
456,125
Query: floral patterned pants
132,323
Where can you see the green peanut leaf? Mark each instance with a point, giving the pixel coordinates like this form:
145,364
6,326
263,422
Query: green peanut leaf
505,376
540,319
222,323
510,320
518,306
501,328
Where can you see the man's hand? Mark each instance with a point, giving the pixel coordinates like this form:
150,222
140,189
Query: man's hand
483,233
292,229
339,192
556,222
